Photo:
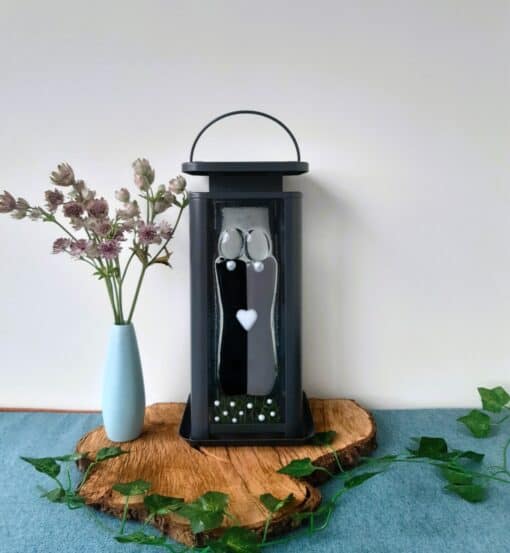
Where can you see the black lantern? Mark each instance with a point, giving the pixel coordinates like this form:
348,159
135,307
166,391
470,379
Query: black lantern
245,244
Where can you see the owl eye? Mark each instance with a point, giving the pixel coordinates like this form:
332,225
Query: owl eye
257,245
231,243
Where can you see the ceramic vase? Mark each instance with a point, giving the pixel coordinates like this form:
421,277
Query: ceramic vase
123,402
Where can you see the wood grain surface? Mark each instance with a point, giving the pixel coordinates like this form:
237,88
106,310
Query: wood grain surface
175,469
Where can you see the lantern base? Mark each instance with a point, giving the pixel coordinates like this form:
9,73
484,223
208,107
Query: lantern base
256,436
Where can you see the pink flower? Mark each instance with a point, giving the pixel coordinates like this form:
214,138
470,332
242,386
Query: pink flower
54,198
177,185
79,247
122,195
73,210
144,173
7,202
98,208
165,230
148,234
109,249
63,176
61,244
132,210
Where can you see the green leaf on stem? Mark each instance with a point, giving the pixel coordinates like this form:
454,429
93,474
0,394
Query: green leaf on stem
137,487
161,505
477,422
141,538
273,504
494,399
235,540
74,501
323,438
360,479
473,493
298,468
456,474
55,495
430,448
206,512
72,457
471,455
46,465
109,453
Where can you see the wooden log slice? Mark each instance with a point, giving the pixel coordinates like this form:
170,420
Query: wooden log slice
175,469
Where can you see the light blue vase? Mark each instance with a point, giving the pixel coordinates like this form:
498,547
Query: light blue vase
123,390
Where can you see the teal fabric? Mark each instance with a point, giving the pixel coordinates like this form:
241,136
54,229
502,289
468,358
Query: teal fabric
404,510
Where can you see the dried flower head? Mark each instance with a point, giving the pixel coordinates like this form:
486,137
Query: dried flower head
131,211
54,198
19,214
165,230
7,202
36,213
98,208
122,195
109,249
73,210
61,244
177,185
63,176
148,234
22,204
144,173
78,247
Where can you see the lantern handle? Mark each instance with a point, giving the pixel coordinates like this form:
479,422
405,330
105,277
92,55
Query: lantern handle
245,112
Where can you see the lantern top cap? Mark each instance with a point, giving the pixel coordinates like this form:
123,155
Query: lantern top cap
243,167
281,168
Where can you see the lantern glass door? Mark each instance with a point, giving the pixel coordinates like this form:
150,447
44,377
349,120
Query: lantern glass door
246,376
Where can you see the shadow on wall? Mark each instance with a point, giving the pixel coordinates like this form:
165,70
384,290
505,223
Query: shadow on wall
330,227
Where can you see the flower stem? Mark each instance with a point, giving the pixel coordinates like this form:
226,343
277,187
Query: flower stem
137,293
124,515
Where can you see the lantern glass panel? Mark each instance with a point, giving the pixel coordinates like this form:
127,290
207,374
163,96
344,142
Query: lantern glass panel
246,362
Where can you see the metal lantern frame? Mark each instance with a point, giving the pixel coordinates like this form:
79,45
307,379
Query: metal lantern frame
245,185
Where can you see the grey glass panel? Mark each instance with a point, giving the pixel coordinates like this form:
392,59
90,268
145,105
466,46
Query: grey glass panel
231,243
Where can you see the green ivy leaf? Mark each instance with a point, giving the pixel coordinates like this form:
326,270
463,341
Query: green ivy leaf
430,448
46,465
72,457
137,487
360,479
273,504
74,501
161,505
299,468
494,399
141,538
471,455
55,495
206,512
323,438
473,493
236,540
456,474
109,453
479,423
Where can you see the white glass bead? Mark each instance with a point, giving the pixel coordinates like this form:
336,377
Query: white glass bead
269,401
225,413
234,420
241,413
258,266
216,419
249,405
272,413
261,418
232,404
231,265
217,402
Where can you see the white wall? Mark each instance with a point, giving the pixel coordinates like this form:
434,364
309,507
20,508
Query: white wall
402,110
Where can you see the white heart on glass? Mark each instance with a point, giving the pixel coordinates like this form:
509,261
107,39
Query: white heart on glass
247,318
